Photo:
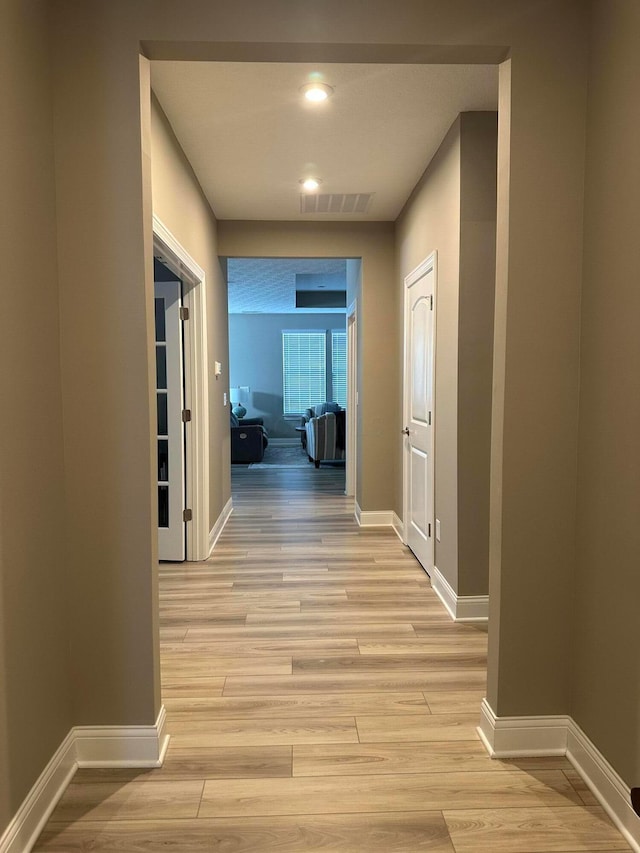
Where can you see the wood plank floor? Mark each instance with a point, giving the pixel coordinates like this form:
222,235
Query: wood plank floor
320,698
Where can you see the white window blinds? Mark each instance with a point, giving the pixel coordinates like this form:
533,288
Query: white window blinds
304,362
339,367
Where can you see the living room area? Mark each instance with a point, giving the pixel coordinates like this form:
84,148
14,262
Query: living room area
288,361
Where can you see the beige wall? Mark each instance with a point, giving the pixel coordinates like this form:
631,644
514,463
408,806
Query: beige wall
536,349
478,153
379,401
453,210
606,700
180,204
431,220
103,197
35,708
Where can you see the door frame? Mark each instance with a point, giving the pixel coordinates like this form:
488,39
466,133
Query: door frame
170,295
352,400
430,262
196,385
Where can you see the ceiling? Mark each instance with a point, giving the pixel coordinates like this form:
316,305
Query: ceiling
268,285
250,135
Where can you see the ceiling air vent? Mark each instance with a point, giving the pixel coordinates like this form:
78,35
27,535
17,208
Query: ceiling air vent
355,203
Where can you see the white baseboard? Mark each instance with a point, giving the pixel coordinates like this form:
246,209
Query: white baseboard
380,518
374,518
516,737
398,526
122,746
610,790
103,746
461,608
28,822
218,527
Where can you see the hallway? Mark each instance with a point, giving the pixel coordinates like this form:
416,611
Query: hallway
319,697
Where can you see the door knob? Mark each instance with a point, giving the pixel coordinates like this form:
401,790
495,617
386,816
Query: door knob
406,431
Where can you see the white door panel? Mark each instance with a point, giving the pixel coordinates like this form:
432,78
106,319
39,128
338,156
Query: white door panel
419,335
418,409
418,480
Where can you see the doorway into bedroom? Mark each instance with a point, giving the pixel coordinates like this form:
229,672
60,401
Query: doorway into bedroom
289,363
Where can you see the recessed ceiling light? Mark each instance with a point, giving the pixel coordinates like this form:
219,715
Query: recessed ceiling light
316,92
310,184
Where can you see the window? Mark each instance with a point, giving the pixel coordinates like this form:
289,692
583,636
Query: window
314,368
304,365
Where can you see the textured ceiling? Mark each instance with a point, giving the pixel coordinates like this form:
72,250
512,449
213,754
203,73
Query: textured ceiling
250,135
268,285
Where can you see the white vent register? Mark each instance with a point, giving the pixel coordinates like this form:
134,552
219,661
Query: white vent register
355,203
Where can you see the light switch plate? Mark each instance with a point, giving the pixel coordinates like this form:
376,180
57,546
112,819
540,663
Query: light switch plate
437,529
224,398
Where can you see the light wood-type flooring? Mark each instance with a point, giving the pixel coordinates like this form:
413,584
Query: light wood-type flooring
319,698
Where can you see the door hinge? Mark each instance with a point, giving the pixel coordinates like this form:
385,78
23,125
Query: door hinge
431,301
429,418
186,415
429,531
184,313
187,515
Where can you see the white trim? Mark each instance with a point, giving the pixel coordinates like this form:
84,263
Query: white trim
122,746
374,518
28,822
218,527
609,789
461,608
379,518
513,737
101,746
196,382
398,526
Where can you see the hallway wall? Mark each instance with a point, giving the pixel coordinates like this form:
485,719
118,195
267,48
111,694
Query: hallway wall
453,210
180,204
431,220
606,701
35,706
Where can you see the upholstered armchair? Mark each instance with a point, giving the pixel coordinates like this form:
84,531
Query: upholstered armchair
320,409
326,437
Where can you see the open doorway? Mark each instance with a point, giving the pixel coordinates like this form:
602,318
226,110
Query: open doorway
182,400
288,362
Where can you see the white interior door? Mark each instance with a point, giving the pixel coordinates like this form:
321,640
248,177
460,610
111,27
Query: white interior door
419,411
170,402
